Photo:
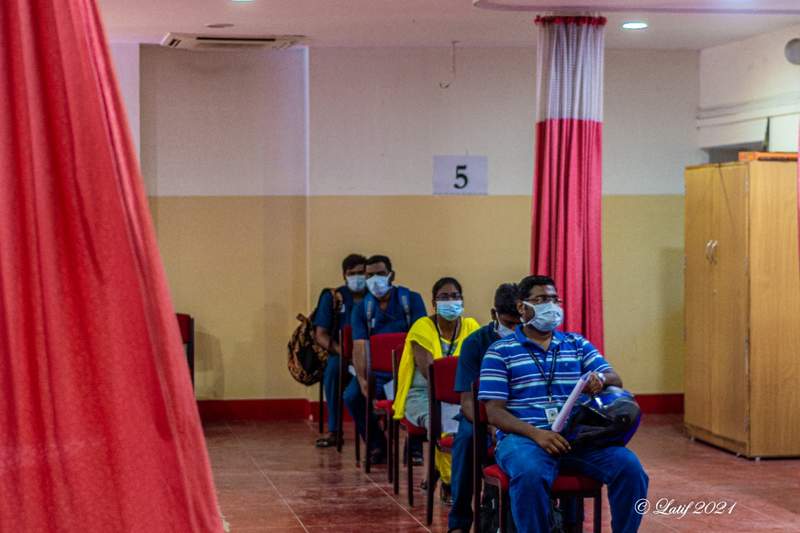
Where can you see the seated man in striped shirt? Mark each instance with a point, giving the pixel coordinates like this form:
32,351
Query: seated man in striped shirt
525,379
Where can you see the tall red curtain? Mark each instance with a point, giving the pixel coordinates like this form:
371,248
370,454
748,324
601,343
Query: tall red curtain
99,430
566,233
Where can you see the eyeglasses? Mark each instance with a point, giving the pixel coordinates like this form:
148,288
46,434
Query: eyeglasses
536,300
446,297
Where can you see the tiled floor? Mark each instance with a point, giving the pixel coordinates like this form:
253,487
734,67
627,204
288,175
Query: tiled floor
271,478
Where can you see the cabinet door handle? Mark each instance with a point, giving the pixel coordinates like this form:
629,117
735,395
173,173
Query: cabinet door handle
708,251
714,245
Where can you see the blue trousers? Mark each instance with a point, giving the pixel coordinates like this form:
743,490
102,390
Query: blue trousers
461,478
532,471
357,406
329,383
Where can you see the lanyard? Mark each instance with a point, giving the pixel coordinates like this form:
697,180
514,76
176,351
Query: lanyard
548,380
452,346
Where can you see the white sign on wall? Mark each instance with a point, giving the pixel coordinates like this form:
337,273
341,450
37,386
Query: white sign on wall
460,174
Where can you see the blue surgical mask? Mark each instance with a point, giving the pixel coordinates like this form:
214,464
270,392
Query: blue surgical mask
379,285
357,283
501,330
546,317
450,309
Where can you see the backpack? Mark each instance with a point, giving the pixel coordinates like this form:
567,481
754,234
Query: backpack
608,419
369,302
307,358
490,514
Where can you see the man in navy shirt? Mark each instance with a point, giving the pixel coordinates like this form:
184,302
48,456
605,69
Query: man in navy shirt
329,320
505,318
525,379
386,309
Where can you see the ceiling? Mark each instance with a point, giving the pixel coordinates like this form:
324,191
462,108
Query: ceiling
438,22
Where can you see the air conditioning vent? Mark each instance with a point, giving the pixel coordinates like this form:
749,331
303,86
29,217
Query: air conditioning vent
191,41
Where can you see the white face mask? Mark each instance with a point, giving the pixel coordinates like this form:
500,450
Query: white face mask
357,282
501,330
546,317
379,285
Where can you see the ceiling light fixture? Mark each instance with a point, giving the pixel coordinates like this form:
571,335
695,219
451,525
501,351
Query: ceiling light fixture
635,25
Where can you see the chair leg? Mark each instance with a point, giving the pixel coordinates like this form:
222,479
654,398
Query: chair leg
502,509
321,408
389,447
598,512
397,458
432,480
410,472
580,518
476,506
357,440
367,462
340,410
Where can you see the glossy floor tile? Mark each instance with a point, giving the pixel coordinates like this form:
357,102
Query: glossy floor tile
271,478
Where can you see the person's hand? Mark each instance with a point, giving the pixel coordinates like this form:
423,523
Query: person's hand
550,441
593,385
362,382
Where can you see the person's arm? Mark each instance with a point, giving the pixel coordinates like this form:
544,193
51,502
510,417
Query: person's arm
593,361
467,405
422,359
324,339
360,363
360,331
468,370
502,419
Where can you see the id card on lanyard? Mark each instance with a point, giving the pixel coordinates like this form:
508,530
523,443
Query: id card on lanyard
551,408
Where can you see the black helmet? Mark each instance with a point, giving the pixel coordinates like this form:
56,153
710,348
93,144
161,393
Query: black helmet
608,419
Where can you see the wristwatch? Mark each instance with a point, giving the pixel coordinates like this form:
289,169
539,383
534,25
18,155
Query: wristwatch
602,377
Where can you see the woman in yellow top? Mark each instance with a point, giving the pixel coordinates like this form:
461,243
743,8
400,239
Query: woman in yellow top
431,338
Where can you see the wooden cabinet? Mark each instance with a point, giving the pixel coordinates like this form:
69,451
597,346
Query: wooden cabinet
742,298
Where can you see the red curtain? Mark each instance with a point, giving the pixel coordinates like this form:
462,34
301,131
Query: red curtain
566,234
99,430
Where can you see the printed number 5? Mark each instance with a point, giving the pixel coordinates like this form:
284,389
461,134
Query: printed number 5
460,176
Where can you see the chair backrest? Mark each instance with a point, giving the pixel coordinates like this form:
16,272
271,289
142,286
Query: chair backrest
444,380
185,325
381,347
346,342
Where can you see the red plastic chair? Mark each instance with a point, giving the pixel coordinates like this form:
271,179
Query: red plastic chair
441,385
565,485
186,325
346,343
380,358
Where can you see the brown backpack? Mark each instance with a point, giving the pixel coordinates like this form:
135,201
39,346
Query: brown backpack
307,358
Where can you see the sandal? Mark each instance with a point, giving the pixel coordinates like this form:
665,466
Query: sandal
326,442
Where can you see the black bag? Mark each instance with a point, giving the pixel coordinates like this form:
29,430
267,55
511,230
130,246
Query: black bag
307,359
490,514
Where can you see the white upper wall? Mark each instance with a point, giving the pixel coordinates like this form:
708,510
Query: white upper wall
748,87
649,133
378,116
126,66
746,71
223,123
233,124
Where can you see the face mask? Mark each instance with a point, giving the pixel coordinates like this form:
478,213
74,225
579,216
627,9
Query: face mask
501,330
357,283
379,285
547,316
450,310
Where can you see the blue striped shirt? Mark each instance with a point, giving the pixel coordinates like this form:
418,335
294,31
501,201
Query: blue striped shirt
508,372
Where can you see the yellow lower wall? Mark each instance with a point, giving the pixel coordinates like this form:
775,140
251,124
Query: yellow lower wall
245,266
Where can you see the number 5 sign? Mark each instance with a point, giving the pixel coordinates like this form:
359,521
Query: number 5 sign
460,174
